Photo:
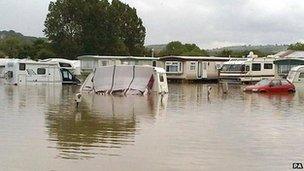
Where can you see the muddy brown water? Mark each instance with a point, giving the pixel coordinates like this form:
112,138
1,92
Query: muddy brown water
41,129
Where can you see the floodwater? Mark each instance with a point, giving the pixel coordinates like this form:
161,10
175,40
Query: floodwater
41,129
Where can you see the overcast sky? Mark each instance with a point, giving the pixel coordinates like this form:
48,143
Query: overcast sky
208,23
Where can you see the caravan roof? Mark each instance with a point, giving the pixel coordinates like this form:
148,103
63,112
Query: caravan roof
189,58
116,57
29,61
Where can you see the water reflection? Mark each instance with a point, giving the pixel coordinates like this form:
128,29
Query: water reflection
101,123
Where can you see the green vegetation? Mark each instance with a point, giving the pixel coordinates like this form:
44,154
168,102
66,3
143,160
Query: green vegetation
15,45
239,54
94,27
240,51
298,46
232,51
180,49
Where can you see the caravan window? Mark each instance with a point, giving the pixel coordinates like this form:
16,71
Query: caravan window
161,78
301,75
233,67
104,63
268,66
154,63
41,71
174,67
192,66
22,67
64,64
256,67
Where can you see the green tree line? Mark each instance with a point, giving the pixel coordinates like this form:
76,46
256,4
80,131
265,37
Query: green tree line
179,49
16,47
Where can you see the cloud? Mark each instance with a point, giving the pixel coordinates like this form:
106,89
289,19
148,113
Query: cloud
212,23
208,23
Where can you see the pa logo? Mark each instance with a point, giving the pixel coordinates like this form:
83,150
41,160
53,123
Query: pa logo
297,165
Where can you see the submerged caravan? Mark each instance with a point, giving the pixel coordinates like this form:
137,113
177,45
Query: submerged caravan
27,72
126,79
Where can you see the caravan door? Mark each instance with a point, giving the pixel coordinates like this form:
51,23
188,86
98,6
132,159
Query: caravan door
199,71
22,79
52,74
205,68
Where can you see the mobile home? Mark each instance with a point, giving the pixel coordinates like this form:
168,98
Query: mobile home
89,62
286,60
192,68
247,70
23,71
284,66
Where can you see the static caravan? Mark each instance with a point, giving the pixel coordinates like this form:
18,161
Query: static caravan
296,75
22,72
192,68
247,70
89,62
284,65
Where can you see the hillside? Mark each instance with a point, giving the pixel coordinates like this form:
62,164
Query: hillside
27,39
269,49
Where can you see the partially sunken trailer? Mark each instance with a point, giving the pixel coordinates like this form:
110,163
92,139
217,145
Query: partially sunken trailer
126,79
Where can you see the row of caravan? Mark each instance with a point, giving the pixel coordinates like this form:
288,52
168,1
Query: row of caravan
232,70
114,79
25,71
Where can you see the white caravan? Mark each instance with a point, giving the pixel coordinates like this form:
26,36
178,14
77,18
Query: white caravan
296,75
247,70
126,79
72,65
23,71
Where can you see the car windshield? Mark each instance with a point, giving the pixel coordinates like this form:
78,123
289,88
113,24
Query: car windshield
263,82
233,67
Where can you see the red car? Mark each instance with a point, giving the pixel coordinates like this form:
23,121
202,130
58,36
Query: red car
272,86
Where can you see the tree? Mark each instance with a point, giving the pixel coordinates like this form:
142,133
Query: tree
41,49
128,27
178,48
298,46
44,54
11,46
2,54
226,53
94,27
